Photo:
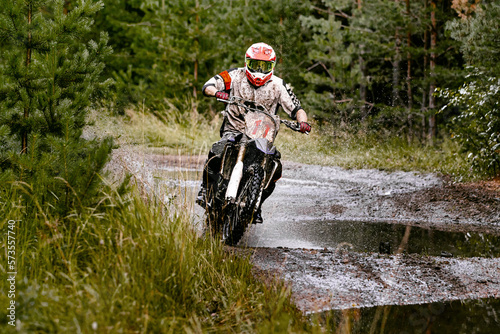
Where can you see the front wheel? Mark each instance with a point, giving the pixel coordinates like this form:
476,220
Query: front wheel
240,214
232,230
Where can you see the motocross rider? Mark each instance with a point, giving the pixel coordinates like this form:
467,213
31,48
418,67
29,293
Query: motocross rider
254,82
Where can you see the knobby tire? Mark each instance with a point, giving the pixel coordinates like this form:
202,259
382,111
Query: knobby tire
236,218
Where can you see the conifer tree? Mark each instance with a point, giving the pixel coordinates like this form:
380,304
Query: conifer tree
477,125
49,77
166,50
329,56
356,58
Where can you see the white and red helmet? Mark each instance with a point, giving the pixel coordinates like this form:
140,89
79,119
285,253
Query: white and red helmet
260,60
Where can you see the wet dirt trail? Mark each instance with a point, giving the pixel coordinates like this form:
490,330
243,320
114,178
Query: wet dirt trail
363,238
355,239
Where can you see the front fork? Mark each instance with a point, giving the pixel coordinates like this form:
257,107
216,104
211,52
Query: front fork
236,175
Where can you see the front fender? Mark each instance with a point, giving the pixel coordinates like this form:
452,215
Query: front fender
265,146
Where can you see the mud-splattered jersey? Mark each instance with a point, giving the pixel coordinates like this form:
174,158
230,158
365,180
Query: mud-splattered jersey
272,95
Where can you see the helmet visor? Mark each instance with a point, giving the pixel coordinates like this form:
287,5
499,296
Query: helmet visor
260,66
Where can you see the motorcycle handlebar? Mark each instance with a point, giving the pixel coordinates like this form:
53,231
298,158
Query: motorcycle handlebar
295,126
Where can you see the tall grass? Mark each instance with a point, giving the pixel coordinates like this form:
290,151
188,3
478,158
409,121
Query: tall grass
167,132
347,146
133,264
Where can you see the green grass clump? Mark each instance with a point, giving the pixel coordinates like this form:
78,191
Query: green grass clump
133,264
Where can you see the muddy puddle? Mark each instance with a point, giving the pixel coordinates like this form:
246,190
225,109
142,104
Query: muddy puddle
374,237
470,316
396,238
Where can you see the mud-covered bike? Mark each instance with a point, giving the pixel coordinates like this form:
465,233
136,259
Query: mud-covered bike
248,164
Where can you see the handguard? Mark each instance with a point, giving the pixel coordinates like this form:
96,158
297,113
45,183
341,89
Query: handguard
295,126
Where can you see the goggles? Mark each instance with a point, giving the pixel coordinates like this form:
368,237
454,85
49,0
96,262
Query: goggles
261,66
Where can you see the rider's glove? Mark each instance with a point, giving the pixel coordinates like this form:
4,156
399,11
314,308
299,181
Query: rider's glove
304,127
222,95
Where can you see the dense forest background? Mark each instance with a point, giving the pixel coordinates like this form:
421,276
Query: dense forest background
389,65
422,70
377,63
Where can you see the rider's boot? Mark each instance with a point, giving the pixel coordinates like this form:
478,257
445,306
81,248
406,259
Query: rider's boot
257,217
202,195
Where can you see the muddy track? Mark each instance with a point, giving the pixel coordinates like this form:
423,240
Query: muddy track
358,238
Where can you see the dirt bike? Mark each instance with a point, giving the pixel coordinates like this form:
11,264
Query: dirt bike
248,164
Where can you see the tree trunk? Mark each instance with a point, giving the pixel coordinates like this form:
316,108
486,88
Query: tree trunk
362,85
24,144
408,74
423,108
195,94
432,74
67,3
395,68
395,71
196,61
362,68
280,59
